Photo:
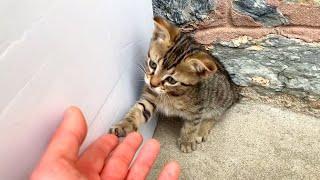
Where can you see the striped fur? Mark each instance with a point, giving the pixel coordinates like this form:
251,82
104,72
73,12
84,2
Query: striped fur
182,79
183,46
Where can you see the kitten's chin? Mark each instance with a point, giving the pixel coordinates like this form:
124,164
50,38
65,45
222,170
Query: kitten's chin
157,90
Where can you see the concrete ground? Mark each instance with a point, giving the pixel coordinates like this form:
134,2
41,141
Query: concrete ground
252,141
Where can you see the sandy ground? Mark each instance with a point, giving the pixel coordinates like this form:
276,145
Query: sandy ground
252,141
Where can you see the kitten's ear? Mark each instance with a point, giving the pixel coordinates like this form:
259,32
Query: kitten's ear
203,64
164,30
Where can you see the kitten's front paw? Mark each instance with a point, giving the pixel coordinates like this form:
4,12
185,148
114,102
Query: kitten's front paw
123,128
187,146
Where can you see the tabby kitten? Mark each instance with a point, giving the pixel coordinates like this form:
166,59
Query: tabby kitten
182,79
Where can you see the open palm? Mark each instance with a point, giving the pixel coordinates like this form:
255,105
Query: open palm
105,159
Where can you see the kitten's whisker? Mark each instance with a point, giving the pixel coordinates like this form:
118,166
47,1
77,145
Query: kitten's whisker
142,68
142,64
140,80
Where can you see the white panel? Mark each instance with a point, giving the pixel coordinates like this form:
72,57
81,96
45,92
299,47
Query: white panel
82,53
18,17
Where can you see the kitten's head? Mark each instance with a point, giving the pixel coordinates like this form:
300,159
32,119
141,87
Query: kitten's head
175,62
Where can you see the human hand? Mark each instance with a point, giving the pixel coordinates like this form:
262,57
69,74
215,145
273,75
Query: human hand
106,158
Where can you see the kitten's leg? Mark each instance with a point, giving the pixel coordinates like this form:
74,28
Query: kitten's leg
205,127
189,132
140,113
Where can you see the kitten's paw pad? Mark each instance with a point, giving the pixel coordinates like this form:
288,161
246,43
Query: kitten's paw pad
187,146
122,129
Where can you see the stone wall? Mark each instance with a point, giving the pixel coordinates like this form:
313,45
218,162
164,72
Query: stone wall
270,47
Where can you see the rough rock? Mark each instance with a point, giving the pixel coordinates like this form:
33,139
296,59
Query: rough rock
316,2
260,11
183,11
275,62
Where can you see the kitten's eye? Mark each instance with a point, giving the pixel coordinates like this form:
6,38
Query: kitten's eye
171,80
152,64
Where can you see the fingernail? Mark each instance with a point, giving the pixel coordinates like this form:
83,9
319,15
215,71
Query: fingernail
71,110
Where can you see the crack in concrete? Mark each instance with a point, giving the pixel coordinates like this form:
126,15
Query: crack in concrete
11,102
16,43
25,34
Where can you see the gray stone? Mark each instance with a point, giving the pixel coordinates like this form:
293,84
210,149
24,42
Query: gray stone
183,11
316,2
260,11
275,62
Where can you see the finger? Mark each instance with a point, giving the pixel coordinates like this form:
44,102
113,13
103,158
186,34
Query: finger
92,160
145,160
68,137
118,164
170,172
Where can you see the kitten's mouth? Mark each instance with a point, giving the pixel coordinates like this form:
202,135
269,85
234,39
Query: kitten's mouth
157,90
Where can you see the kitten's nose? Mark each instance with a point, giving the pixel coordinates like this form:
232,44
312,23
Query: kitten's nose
155,81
